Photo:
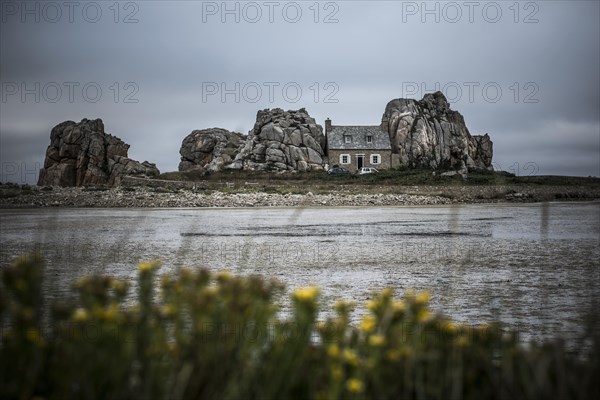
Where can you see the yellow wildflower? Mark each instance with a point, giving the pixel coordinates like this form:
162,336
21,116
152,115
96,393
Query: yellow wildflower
147,266
168,310
372,305
354,385
350,357
119,287
423,316
333,351
110,313
450,327
80,315
377,340
368,323
307,294
422,298
399,306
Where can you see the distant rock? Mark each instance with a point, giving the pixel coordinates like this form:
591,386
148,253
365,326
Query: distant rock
283,141
82,154
429,134
210,149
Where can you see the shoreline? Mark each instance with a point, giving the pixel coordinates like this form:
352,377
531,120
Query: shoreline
24,196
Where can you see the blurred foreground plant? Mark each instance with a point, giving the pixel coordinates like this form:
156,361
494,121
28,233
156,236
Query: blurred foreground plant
206,335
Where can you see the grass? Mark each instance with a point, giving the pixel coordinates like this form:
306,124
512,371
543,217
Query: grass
397,181
393,177
213,335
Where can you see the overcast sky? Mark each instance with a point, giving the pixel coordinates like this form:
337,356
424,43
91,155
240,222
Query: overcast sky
526,73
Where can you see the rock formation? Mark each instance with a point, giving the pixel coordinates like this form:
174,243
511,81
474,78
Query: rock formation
210,149
82,154
283,141
429,134
280,141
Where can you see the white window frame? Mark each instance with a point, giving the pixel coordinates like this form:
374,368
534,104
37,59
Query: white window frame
348,158
347,138
369,139
378,159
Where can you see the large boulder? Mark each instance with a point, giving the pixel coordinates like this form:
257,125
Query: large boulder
82,154
429,134
209,149
282,141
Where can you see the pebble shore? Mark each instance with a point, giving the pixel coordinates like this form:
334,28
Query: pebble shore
15,196
146,198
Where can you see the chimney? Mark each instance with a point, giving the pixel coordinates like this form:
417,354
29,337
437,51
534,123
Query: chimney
327,125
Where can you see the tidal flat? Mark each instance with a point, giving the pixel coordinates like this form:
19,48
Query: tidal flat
531,266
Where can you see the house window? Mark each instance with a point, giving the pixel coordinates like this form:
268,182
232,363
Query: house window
369,139
375,159
344,158
347,139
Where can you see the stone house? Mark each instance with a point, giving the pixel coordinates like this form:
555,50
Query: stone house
354,147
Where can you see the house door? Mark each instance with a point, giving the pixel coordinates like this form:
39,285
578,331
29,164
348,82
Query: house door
360,161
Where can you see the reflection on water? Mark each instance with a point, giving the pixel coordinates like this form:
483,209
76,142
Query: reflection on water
532,266
544,217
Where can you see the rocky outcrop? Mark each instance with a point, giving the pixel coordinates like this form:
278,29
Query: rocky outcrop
481,151
429,134
120,167
82,154
210,149
283,141
280,141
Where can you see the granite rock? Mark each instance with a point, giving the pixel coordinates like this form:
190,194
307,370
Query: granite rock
83,154
427,133
209,149
283,141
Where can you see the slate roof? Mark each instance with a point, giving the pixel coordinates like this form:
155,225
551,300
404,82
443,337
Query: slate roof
335,138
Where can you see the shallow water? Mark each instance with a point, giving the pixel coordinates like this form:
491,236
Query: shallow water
534,266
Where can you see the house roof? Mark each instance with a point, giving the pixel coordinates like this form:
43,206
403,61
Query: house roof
380,138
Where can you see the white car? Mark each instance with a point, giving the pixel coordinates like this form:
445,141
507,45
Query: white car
365,170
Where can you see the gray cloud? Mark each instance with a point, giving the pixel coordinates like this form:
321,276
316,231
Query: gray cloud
374,53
